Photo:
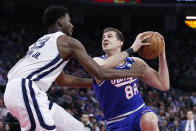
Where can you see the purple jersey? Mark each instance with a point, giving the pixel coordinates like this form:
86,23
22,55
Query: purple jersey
119,96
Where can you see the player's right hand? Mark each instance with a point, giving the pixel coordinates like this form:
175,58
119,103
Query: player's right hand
138,42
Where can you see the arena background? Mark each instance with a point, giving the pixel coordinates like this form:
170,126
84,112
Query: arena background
21,25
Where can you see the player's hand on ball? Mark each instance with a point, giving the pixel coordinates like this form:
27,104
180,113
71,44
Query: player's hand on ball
155,48
138,42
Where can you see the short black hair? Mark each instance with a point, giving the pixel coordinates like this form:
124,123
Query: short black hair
52,13
119,34
85,113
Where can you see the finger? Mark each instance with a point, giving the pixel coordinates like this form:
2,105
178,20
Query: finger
147,32
142,39
146,44
139,36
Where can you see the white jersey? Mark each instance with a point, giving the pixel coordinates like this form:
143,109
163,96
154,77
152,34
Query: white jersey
42,63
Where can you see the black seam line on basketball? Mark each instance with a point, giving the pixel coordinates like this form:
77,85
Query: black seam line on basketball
157,44
148,49
151,55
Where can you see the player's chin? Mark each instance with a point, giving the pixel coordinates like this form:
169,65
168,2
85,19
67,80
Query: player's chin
70,33
105,49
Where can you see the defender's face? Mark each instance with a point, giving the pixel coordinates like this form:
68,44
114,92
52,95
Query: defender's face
67,25
110,42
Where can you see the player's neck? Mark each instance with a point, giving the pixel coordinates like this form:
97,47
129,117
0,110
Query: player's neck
112,52
53,29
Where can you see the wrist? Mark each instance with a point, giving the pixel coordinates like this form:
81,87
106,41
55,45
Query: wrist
134,48
129,51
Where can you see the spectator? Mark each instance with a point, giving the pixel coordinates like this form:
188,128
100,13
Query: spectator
7,127
3,110
1,126
95,126
92,119
85,121
189,124
194,111
193,98
102,128
176,124
2,80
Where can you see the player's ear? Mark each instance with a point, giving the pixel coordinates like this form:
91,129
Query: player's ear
60,21
120,43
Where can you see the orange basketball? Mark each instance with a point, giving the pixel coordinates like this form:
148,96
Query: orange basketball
154,49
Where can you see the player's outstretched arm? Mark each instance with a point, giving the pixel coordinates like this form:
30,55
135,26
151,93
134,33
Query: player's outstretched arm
73,82
160,79
115,60
70,47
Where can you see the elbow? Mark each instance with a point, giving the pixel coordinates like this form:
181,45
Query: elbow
165,88
100,75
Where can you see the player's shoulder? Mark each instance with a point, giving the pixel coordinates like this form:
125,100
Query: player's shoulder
136,59
100,60
68,41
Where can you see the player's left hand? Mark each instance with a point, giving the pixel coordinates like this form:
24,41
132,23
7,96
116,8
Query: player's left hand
163,50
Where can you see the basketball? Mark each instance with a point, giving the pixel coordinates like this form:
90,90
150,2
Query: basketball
154,49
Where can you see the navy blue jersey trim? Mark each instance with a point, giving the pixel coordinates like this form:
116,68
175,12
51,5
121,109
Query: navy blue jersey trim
130,60
122,65
38,112
103,57
53,62
47,72
27,105
50,105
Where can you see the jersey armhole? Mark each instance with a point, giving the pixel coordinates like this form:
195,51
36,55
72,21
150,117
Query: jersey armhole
59,35
98,84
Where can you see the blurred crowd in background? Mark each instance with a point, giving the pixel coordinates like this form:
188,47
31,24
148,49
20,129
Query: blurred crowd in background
170,106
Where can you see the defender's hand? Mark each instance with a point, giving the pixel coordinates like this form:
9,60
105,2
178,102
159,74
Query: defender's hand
138,68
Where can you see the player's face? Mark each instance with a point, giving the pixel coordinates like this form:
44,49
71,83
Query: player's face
67,25
110,42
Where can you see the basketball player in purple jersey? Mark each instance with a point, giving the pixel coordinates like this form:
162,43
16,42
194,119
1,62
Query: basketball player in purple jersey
120,100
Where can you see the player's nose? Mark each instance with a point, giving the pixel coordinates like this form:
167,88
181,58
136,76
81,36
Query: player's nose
72,27
105,39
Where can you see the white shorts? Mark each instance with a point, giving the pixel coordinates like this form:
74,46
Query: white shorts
24,100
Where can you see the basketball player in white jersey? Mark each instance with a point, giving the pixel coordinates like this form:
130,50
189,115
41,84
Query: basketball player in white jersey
32,76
